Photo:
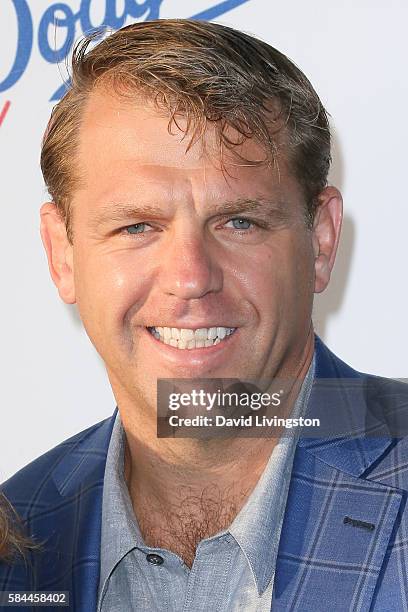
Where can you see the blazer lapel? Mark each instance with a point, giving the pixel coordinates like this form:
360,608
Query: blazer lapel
337,524
334,538
74,551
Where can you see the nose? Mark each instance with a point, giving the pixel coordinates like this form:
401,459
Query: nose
189,267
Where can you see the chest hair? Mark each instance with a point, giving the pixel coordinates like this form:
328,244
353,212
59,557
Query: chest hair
194,516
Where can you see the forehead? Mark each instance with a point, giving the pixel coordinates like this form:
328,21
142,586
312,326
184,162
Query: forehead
123,140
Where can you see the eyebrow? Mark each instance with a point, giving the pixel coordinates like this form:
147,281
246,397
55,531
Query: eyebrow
118,211
249,205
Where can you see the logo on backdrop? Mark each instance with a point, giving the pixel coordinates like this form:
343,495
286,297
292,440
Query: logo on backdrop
71,25
4,110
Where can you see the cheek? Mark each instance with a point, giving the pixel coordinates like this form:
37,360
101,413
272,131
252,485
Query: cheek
109,288
282,269
285,280
303,281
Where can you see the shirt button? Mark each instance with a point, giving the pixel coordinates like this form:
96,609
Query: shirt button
155,559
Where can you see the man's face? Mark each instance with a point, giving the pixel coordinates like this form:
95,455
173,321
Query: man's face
164,238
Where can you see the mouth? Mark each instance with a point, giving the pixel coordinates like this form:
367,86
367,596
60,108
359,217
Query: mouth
188,339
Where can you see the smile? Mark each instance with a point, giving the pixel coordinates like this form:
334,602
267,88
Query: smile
183,338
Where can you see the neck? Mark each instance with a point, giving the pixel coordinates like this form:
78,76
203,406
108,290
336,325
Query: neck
184,490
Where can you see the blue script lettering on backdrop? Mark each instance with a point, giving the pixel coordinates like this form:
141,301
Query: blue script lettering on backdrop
71,24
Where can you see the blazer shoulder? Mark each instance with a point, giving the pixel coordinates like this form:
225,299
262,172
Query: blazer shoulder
36,477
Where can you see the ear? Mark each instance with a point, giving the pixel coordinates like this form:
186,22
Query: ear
59,251
326,234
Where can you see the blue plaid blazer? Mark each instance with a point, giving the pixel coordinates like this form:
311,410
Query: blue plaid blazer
324,563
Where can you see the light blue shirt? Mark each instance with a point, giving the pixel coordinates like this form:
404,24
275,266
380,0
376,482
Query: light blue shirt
232,570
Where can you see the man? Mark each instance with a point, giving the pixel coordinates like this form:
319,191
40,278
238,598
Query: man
191,223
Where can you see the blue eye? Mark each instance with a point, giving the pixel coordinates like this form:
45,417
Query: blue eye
137,228
241,223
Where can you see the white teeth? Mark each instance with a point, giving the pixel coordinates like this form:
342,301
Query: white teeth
175,333
201,334
212,333
221,332
187,334
189,338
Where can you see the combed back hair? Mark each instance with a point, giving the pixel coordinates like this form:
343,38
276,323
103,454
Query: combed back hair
208,74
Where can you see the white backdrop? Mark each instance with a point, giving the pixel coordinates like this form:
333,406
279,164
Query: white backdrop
353,51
